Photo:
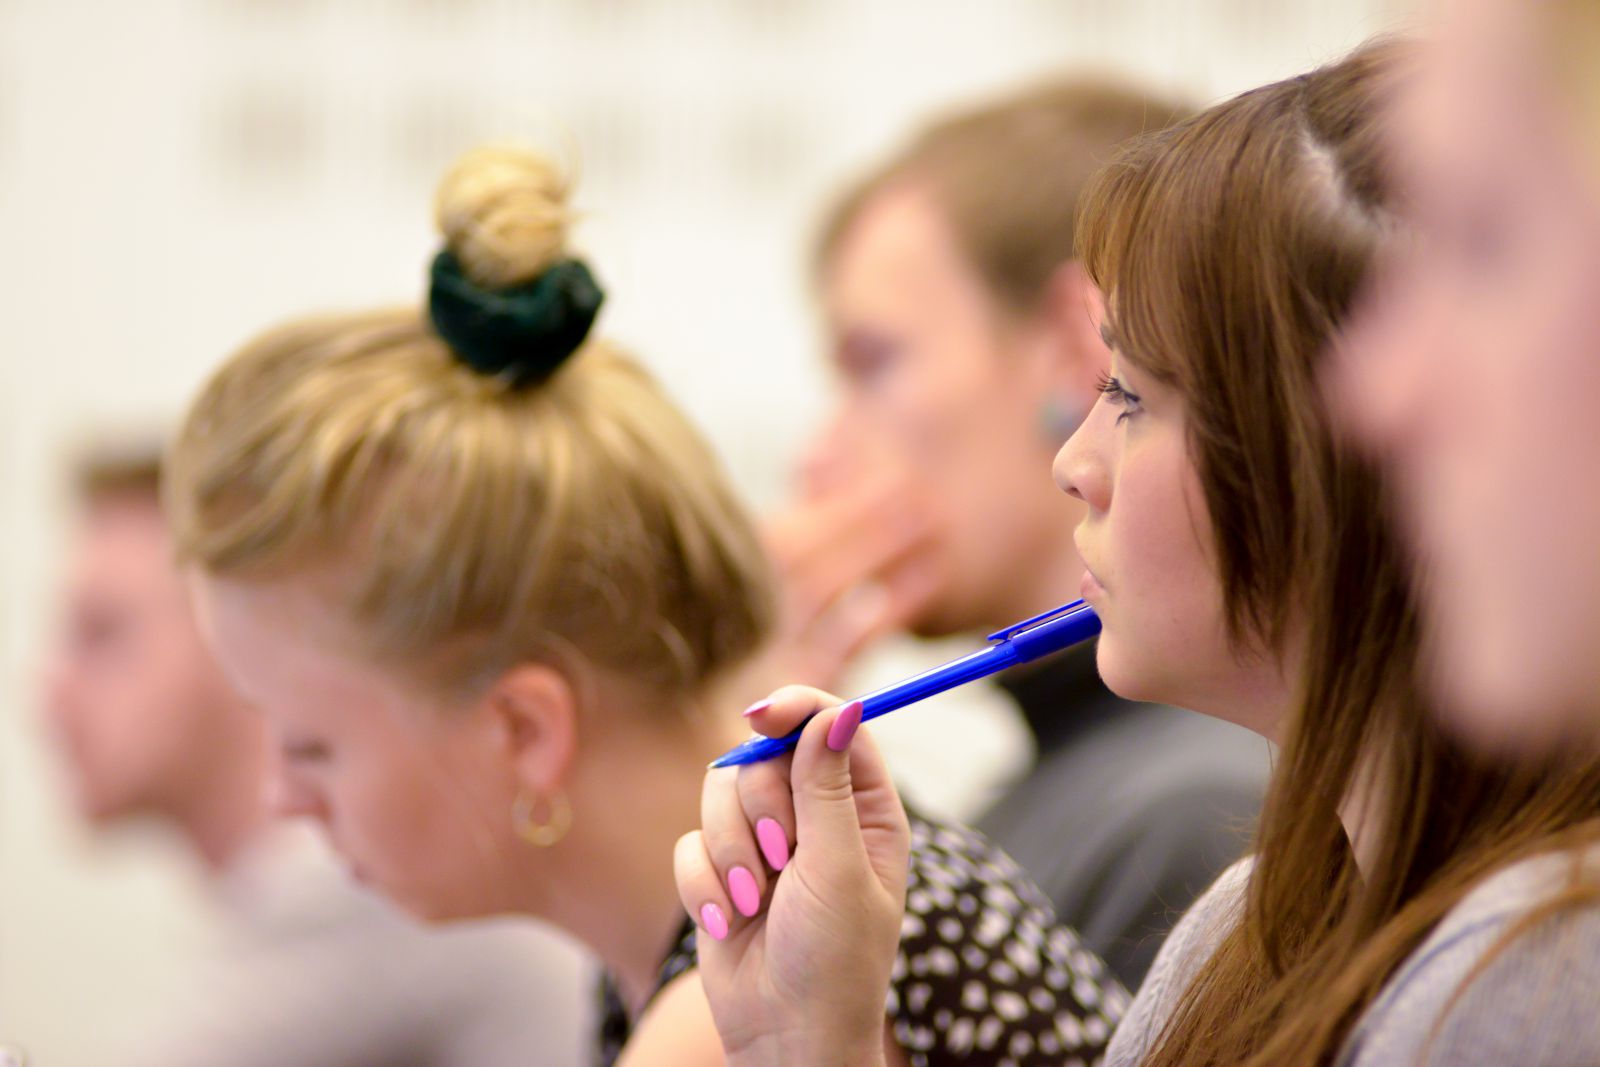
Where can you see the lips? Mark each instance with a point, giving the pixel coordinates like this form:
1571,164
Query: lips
1089,586
1090,581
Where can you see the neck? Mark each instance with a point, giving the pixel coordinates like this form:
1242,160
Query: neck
1361,811
616,891
1259,688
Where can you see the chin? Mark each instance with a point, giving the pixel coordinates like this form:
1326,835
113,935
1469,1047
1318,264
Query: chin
1487,700
435,910
418,908
1493,730
928,627
1114,669
944,617
1120,671
103,809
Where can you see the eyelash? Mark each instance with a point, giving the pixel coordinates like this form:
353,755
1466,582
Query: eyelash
1113,390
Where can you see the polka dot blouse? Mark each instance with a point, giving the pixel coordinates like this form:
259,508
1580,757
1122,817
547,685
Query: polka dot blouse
984,973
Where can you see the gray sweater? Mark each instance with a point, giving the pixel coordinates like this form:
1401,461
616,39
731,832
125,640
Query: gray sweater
1536,1005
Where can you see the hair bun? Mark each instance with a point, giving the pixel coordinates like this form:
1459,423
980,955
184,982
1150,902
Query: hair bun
503,212
504,295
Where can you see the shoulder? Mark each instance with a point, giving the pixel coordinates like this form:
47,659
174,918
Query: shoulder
1190,944
1213,914
1497,981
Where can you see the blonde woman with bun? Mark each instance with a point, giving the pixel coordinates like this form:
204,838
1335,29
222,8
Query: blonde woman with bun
493,595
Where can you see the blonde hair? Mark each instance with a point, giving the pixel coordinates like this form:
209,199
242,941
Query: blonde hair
582,518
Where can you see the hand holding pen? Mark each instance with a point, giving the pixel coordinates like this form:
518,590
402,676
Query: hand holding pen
796,968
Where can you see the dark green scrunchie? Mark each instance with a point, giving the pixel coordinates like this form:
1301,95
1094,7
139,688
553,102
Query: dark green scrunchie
522,334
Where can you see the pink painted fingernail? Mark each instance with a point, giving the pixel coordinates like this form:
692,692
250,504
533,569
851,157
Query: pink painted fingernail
742,887
844,727
715,923
774,843
757,708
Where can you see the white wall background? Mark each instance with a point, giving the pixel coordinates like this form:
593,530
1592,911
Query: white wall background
175,174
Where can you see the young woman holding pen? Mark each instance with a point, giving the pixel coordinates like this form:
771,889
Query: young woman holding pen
963,341
492,594
1406,902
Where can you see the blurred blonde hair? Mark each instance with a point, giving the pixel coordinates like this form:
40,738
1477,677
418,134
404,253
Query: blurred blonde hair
469,525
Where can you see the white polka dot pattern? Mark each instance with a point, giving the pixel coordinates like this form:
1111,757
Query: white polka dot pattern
984,973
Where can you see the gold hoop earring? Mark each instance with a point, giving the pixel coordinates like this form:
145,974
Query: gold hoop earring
552,829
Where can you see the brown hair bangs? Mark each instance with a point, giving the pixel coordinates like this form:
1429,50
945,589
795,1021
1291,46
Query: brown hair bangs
1228,248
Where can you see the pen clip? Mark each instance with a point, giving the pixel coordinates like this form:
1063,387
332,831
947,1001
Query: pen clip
1038,620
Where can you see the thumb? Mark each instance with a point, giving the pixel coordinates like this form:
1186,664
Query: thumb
846,807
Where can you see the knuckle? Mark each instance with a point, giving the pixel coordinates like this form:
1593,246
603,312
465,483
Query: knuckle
727,842
761,782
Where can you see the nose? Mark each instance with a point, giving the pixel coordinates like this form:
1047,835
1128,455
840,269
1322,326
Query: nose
1080,468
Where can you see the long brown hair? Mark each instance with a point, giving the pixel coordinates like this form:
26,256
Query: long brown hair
1230,249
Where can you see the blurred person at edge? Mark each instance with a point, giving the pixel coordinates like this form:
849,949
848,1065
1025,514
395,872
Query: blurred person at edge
1475,369
966,351
308,969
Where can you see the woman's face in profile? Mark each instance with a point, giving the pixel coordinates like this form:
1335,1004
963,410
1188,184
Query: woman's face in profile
413,796
1151,572
1475,371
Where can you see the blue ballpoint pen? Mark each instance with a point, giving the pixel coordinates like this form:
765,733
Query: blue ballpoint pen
1027,640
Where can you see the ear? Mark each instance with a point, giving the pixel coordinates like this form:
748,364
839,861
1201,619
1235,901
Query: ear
1072,312
535,710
